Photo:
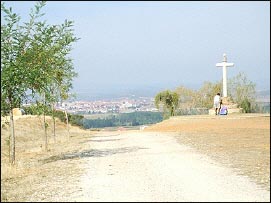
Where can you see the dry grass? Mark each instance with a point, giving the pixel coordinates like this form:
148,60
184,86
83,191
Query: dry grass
240,141
31,165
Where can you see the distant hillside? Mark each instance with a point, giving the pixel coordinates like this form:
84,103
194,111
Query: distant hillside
263,93
263,96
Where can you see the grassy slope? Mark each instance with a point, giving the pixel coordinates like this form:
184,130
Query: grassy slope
31,168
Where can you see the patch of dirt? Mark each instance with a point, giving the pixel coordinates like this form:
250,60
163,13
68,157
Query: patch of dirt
240,141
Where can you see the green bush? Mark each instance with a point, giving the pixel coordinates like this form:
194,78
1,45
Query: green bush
246,105
37,109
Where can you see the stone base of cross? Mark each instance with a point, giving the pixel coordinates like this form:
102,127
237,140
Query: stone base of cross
231,106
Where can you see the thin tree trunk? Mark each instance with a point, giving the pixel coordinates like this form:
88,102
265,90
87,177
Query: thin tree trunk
11,139
44,126
45,133
67,121
54,123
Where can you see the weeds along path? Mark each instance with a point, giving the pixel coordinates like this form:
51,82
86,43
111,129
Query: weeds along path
150,166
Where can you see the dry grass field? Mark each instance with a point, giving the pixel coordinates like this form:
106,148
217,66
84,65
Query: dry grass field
31,167
240,141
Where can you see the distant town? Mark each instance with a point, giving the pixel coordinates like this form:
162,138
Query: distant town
127,104
120,105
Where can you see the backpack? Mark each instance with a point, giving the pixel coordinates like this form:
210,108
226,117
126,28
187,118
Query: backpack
223,111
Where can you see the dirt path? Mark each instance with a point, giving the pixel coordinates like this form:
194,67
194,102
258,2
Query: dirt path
149,166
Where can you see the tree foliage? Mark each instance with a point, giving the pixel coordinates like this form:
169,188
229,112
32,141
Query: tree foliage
169,102
243,92
194,100
34,57
13,86
205,95
187,97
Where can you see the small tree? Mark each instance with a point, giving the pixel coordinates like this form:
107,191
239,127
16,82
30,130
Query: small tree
169,101
246,106
242,91
206,93
202,98
12,72
34,56
187,97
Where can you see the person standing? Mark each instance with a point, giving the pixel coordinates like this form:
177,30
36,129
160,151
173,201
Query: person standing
217,103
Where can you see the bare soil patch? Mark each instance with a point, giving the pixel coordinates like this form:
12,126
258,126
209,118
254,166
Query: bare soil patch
240,141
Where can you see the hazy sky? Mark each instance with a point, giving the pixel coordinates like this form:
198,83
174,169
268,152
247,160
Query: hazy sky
163,43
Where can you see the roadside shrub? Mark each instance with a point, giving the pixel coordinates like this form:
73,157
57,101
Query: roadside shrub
246,105
37,109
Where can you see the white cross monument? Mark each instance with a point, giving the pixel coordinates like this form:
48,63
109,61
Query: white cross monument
224,64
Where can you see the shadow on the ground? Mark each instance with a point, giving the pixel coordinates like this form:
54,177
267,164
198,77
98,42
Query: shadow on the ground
91,153
105,135
104,140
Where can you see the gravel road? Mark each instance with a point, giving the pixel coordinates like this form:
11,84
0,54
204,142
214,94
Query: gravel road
147,166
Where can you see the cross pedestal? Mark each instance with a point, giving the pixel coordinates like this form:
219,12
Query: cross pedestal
231,106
